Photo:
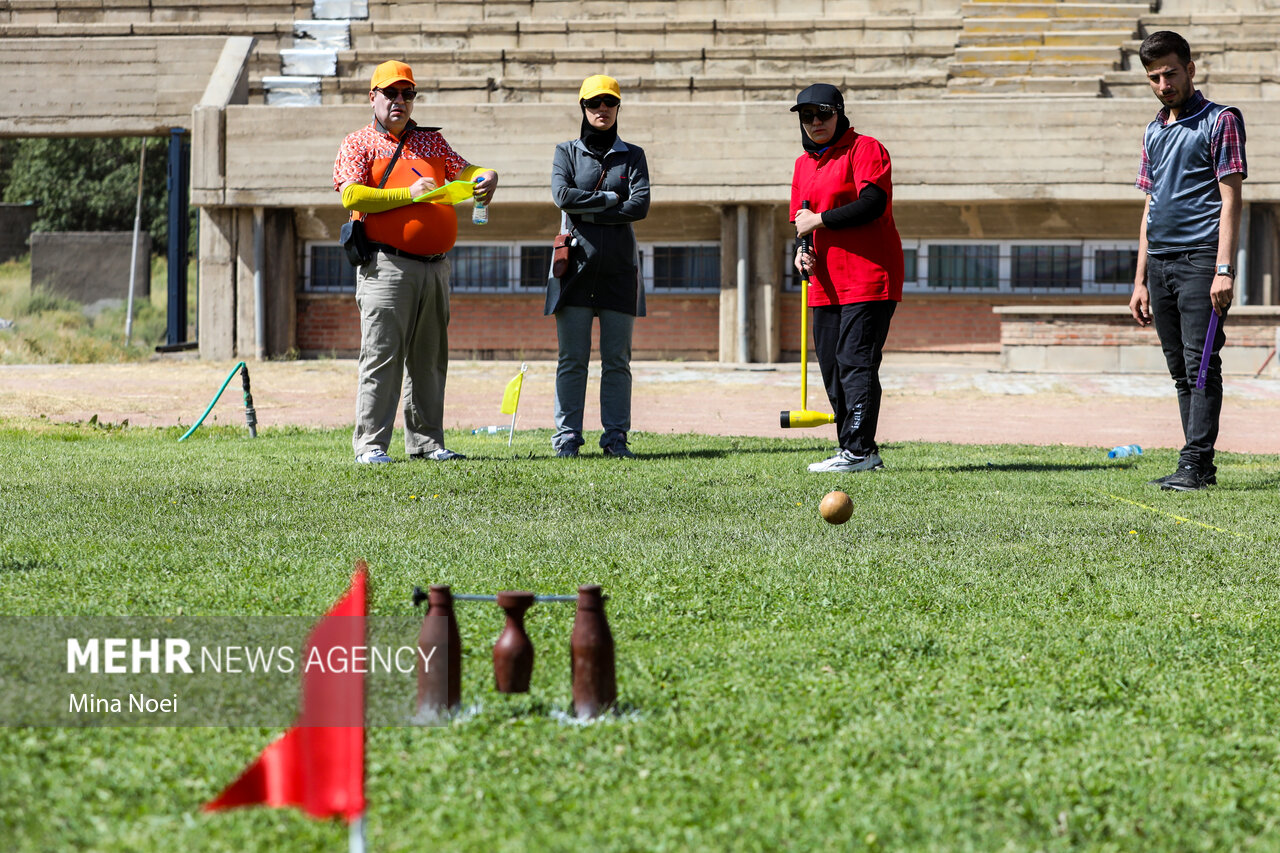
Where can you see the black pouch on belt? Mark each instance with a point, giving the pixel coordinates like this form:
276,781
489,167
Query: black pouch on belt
354,240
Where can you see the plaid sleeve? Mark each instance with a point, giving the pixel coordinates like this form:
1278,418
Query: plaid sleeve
1144,172
353,163
1227,146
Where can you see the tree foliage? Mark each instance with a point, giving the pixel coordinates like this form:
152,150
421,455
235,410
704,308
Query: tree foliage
88,184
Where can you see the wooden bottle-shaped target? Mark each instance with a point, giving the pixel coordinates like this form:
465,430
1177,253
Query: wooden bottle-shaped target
595,686
513,651
439,655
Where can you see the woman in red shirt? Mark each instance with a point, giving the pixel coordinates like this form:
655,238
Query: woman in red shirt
853,263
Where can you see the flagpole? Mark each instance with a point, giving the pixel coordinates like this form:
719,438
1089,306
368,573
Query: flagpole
511,433
355,835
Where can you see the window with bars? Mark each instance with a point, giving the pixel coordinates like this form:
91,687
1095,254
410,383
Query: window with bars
1115,266
523,267
328,270
973,266
1007,267
681,267
1048,266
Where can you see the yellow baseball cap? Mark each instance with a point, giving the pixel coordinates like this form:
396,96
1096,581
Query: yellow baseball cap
391,72
599,84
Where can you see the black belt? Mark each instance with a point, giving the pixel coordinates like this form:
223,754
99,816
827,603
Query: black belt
392,250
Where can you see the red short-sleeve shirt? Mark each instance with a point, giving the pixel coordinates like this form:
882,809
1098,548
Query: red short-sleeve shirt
424,229
862,263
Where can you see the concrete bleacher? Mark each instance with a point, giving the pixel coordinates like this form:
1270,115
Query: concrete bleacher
1040,47
681,59
149,11
565,10
127,85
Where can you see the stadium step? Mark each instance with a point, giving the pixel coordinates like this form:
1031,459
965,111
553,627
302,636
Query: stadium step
688,34
1044,47
666,89
1028,85
1051,9
1043,38
1040,53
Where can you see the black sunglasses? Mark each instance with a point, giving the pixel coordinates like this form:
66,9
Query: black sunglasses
809,116
597,103
391,93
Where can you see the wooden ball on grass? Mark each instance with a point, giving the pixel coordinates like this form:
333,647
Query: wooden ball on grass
836,508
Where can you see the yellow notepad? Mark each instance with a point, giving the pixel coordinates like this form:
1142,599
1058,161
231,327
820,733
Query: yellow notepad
451,193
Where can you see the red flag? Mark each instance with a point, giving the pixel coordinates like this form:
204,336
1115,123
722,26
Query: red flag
318,765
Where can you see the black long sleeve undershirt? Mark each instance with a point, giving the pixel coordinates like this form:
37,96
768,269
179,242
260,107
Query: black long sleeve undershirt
871,202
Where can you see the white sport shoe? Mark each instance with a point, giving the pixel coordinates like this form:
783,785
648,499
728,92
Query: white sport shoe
441,455
373,457
844,461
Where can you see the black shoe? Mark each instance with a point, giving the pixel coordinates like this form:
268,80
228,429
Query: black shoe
1185,479
1159,481
619,451
567,452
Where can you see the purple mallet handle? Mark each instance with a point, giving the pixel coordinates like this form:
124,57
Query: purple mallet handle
1208,350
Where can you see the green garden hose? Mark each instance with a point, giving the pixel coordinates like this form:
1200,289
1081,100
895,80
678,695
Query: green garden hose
250,416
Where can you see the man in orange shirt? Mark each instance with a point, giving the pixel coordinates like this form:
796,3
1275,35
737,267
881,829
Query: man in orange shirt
403,291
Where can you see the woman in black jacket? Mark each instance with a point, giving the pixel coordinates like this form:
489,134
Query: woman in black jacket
601,185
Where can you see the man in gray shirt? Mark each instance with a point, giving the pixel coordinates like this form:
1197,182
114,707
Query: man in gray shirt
1193,166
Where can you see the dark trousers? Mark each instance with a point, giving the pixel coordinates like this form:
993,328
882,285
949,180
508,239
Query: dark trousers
1180,308
849,341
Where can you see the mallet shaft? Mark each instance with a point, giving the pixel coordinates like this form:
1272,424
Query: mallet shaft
420,596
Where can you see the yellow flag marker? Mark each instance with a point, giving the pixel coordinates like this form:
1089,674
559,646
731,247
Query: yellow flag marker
511,400
511,396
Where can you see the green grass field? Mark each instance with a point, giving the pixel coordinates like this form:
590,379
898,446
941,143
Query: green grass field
1005,648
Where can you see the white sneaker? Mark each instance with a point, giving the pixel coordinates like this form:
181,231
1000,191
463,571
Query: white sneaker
373,457
844,461
442,455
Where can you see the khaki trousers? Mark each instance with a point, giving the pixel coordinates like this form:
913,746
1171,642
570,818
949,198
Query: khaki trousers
404,336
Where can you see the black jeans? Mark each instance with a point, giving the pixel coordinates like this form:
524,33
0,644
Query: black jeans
849,341
1180,307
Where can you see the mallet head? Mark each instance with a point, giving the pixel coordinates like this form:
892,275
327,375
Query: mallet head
795,418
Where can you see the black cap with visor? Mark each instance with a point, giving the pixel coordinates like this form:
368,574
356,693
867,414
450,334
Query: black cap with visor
821,95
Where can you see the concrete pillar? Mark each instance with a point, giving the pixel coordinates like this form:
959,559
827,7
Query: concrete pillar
281,282
217,283
729,284
769,229
244,318
767,232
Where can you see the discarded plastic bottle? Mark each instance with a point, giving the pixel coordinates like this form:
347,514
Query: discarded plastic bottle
1124,450
492,429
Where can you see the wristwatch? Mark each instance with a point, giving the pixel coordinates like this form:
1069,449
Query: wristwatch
1227,270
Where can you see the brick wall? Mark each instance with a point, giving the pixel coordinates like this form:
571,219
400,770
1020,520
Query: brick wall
504,326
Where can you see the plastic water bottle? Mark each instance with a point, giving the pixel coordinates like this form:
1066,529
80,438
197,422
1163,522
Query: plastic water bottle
492,429
1124,450
480,213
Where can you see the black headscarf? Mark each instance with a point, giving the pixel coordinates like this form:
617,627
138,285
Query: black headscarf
842,125
821,95
598,142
